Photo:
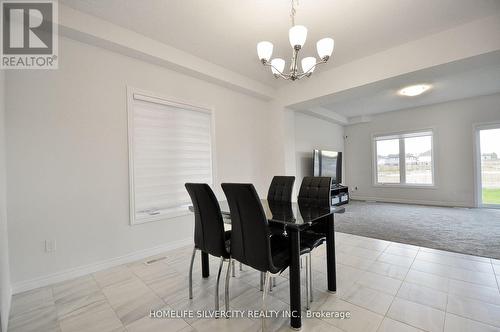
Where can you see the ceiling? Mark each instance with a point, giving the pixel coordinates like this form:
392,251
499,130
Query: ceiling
471,77
225,32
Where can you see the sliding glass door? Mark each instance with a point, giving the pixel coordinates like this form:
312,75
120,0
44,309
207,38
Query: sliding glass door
489,166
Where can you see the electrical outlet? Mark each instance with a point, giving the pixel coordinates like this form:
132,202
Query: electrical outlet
50,245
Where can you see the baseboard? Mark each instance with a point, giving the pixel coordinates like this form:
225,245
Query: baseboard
411,201
5,308
68,274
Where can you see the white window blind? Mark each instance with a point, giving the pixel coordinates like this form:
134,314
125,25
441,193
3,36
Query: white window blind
170,144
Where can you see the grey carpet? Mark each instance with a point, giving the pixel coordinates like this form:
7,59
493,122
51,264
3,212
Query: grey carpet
467,231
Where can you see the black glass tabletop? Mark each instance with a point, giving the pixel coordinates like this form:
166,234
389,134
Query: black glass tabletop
290,214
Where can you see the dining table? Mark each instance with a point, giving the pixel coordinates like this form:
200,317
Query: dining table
295,218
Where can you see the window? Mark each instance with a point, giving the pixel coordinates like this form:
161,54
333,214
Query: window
170,144
405,159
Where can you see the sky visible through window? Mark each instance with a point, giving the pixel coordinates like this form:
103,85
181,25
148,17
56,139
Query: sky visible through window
387,147
413,144
490,141
417,145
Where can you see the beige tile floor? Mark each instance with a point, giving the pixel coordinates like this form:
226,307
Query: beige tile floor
385,286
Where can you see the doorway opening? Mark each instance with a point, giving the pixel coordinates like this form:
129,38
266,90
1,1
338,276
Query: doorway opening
488,162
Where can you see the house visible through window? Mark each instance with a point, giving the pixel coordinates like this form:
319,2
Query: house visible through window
404,159
170,144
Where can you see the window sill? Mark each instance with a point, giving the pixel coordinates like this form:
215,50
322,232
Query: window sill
160,217
405,186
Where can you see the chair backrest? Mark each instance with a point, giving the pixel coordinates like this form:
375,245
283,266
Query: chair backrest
208,223
250,243
281,210
315,191
281,189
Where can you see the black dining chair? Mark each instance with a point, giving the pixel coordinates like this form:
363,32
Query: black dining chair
314,194
315,191
281,189
279,192
209,234
251,240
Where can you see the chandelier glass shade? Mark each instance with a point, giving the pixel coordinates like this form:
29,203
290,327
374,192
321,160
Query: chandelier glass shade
265,50
297,36
277,66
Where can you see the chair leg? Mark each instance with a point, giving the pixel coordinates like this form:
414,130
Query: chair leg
264,295
308,278
227,286
311,292
191,274
241,266
217,285
234,268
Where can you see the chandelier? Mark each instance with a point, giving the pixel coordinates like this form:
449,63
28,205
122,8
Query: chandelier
297,36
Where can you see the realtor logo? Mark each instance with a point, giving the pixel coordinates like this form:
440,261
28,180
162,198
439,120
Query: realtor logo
29,34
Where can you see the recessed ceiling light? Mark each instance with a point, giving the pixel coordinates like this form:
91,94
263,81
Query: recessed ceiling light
414,90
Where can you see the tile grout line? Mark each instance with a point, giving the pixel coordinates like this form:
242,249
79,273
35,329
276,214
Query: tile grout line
473,320
107,300
402,281
146,284
166,304
447,294
458,266
194,328
83,306
497,277
446,307
189,324
462,270
395,296
472,299
55,307
356,305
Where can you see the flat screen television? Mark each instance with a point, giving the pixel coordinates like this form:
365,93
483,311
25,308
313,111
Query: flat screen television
328,163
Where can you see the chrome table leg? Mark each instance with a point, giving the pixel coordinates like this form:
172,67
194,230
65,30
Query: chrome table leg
191,274
217,285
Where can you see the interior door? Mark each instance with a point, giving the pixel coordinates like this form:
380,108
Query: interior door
489,166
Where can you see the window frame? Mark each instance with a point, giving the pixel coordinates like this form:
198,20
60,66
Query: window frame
476,129
168,101
401,135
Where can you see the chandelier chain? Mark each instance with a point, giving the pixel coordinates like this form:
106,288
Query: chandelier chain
293,11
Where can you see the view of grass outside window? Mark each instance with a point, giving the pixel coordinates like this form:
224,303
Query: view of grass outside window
414,149
490,166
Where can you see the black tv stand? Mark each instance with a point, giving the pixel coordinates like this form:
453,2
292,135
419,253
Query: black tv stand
339,194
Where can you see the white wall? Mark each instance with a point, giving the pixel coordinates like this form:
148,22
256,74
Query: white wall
68,157
453,140
5,288
313,133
